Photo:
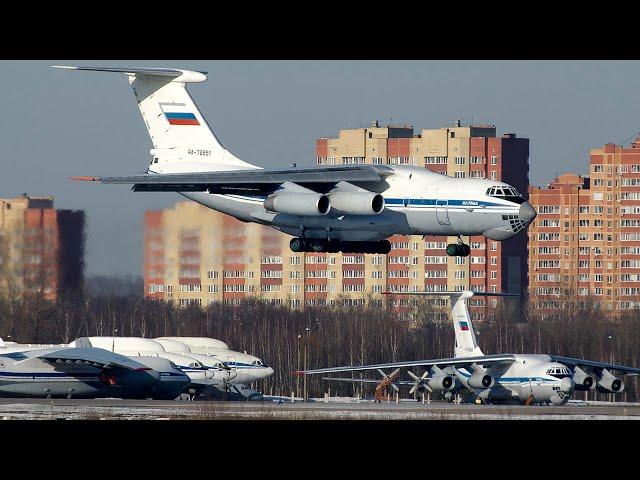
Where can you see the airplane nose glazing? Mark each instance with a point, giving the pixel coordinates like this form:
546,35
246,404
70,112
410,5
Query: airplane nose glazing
527,213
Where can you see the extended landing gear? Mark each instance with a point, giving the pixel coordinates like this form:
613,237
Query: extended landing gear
459,249
320,245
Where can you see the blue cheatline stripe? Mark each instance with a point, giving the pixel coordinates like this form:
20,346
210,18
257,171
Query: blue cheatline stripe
413,202
430,202
514,379
180,115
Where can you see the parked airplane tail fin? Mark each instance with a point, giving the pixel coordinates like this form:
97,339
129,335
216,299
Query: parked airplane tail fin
178,130
466,344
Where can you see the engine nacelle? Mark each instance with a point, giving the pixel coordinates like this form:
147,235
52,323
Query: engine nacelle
609,383
583,381
441,383
313,204
357,203
481,379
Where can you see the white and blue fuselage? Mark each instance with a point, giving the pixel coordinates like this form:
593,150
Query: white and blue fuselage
417,202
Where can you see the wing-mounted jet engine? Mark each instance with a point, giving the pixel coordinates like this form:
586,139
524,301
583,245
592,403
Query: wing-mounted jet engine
609,383
480,379
583,381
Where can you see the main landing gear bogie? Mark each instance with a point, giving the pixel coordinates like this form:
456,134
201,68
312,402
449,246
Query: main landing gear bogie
320,245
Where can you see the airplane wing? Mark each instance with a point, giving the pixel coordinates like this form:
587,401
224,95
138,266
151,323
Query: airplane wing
458,362
366,380
321,179
97,357
577,362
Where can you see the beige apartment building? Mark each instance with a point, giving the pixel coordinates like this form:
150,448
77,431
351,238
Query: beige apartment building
194,255
585,242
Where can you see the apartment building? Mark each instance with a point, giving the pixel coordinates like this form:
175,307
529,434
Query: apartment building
585,243
41,248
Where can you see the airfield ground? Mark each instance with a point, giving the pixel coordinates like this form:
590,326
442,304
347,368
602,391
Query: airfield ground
347,409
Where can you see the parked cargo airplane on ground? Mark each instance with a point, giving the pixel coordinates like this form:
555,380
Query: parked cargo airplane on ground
61,372
508,378
245,368
329,209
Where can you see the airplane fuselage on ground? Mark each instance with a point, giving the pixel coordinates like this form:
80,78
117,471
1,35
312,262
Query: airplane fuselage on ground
529,377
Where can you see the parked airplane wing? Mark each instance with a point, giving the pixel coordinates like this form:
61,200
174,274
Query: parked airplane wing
577,362
250,179
460,362
97,357
365,380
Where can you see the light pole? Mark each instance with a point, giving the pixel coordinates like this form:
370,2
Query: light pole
308,330
610,337
298,376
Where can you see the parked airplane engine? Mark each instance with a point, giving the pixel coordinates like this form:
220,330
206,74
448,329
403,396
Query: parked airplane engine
609,383
481,379
583,380
441,383
357,203
299,203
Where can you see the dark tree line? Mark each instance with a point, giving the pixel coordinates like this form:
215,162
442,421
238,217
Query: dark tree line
330,336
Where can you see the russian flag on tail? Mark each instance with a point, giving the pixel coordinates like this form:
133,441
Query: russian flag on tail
178,114
464,326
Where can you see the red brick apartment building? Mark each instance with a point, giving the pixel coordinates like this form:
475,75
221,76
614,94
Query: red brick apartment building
41,248
585,242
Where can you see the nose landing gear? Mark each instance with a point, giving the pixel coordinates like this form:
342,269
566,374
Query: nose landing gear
459,249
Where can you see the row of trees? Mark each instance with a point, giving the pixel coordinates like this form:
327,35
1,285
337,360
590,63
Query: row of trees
328,336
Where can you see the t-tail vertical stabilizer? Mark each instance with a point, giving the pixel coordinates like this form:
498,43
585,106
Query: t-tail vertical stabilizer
466,344
182,140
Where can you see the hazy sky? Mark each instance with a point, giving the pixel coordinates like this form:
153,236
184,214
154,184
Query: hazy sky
58,123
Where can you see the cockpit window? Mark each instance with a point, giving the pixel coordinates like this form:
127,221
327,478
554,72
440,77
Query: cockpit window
559,372
505,192
256,362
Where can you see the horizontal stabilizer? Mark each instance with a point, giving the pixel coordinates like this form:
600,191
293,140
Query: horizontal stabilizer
186,76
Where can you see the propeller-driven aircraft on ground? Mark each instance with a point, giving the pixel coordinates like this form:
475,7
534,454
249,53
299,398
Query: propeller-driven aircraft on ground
347,208
501,378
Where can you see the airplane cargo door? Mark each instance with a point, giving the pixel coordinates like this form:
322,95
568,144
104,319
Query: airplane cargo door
442,211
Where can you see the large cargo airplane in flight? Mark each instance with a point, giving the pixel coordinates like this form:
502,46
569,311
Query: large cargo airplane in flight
348,208
501,378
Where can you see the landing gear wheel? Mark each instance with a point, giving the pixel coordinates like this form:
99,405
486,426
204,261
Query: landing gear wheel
385,247
296,244
458,250
318,246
